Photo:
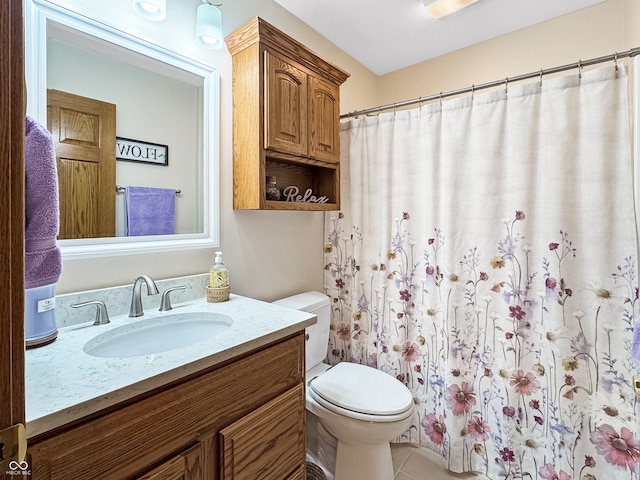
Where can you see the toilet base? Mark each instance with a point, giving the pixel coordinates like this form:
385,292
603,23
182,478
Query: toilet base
321,445
372,462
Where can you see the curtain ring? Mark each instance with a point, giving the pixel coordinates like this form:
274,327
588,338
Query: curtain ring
541,78
506,86
579,69
615,60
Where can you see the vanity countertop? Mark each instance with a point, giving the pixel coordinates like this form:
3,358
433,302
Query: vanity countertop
64,384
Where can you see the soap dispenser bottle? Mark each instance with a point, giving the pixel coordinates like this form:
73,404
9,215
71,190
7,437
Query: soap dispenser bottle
219,274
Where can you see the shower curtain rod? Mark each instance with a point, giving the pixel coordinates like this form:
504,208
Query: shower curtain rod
579,64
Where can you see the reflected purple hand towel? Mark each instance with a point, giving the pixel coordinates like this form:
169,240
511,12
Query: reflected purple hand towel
150,211
43,263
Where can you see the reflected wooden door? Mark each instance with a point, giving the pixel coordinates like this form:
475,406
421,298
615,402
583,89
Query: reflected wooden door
84,135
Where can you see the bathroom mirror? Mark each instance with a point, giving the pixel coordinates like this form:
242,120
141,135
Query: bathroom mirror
63,51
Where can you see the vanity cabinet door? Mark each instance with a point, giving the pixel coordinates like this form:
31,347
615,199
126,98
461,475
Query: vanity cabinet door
285,106
268,443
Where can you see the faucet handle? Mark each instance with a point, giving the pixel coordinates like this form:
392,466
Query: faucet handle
102,316
165,301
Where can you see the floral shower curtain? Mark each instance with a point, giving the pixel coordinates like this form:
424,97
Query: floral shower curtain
485,256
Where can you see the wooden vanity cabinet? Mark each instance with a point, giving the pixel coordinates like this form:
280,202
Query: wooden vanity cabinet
242,420
286,119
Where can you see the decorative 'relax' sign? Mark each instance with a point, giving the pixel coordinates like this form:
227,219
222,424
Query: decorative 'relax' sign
291,194
137,151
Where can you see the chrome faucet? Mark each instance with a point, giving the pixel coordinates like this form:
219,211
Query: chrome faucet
136,296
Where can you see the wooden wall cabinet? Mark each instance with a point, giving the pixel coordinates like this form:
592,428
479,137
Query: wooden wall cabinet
242,420
286,119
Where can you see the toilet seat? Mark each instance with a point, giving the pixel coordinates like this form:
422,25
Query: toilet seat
362,392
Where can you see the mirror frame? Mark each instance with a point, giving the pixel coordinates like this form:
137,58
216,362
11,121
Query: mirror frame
37,14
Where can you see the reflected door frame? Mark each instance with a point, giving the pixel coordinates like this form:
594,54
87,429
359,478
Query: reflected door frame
12,131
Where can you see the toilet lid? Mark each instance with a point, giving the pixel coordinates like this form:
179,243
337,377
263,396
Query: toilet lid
362,389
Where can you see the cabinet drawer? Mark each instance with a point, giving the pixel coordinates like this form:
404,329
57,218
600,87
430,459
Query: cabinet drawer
186,466
268,443
171,470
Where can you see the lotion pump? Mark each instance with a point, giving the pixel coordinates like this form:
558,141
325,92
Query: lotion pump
219,274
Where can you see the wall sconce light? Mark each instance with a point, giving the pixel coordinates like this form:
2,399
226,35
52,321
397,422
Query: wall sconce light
443,8
155,10
209,26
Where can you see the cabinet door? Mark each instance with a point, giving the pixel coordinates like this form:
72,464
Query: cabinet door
324,120
285,106
268,443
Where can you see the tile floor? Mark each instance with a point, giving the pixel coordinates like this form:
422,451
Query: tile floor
411,462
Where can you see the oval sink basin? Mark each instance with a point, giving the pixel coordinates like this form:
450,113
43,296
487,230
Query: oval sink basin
158,334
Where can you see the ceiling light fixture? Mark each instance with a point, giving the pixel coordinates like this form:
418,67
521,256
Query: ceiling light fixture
443,8
209,26
155,10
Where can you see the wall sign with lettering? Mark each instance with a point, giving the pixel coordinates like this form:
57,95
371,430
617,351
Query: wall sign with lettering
145,152
292,194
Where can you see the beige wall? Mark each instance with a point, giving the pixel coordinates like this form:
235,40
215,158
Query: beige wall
272,254
269,254
592,32
135,91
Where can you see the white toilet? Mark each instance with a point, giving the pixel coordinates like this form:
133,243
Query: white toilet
353,411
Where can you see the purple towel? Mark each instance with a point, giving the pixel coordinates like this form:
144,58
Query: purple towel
150,211
43,263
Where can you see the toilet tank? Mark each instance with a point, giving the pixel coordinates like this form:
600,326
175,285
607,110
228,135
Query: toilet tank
318,334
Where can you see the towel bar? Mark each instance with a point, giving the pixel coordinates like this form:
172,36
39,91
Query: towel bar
120,189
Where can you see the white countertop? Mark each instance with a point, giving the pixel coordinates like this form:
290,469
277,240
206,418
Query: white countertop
63,383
